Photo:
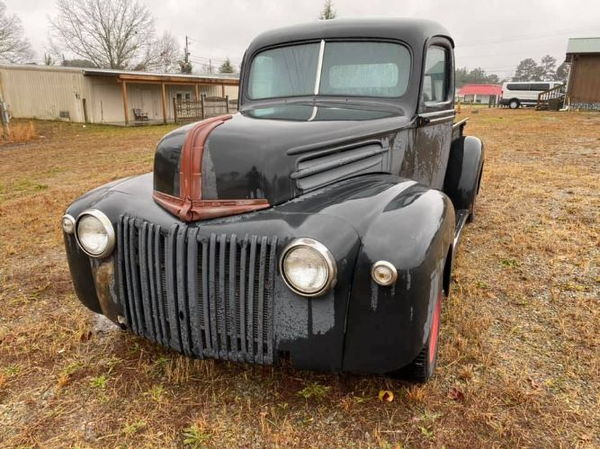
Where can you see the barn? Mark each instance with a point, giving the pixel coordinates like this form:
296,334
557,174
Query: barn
104,96
480,93
583,86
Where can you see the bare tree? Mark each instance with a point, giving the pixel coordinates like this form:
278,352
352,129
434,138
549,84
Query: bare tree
113,34
14,47
562,72
548,66
328,13
162,55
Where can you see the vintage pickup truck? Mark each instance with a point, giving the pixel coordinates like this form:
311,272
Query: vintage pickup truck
317,226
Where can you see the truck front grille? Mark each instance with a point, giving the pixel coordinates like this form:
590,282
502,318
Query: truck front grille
205,295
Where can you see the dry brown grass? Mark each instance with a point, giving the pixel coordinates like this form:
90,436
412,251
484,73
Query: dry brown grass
21,131
520,345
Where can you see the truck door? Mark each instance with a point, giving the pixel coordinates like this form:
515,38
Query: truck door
433,134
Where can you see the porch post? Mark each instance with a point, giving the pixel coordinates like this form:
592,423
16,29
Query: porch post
125,102
197,91
164,102
222,90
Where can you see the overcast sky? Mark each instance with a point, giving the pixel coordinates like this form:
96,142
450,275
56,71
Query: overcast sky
491,34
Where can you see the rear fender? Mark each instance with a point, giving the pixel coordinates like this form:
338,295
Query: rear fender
463,174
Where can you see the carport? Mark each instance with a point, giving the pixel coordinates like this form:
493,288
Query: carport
163,89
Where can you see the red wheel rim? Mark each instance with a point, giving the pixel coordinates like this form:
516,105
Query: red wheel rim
435,329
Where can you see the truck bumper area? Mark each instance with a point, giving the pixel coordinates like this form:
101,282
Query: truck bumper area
212,289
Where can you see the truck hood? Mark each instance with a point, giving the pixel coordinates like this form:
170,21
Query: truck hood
278,152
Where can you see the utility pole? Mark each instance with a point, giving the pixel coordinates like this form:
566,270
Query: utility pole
186,65
187,50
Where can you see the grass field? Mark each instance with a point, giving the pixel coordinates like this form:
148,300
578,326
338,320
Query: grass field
520,342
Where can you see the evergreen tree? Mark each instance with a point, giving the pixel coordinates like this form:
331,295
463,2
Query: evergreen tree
226,67
328,13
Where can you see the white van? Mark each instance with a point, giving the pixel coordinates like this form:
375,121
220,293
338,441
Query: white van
517,93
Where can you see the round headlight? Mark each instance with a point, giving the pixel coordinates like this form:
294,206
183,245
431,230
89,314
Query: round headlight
384,273
68,224
95,233
308,268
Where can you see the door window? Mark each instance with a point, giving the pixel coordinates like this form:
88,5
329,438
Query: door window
436,79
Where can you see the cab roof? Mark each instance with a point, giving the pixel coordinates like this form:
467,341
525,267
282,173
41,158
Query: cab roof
414,32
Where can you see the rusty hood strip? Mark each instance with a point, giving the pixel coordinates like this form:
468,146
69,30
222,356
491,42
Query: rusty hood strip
190,206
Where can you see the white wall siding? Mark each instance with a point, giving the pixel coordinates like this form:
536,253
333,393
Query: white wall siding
106,105
43,94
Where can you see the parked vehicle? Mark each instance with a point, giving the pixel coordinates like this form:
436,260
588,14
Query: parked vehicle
516,94
318,225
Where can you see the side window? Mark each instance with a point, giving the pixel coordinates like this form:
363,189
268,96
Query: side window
436,77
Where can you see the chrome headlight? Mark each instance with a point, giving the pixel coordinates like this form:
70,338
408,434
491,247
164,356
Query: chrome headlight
95,233
308,268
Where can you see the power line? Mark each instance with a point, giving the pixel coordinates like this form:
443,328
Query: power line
529,37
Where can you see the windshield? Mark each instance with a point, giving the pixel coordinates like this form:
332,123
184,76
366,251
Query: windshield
370,69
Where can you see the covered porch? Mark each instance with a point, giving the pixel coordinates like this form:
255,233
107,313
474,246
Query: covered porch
150,98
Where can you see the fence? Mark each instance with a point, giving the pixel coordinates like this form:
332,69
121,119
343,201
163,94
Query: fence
205,107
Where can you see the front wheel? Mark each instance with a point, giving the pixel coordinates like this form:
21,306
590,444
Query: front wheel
514,104
421,369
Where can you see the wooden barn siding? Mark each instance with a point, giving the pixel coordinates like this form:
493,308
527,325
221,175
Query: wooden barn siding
584,81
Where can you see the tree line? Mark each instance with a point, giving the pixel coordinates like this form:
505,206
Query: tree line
112,34
527,70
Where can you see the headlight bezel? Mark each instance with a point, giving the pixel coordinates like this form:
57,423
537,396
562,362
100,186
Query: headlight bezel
324,252
108,227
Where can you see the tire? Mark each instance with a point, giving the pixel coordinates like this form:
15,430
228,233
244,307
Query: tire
514,104
422,368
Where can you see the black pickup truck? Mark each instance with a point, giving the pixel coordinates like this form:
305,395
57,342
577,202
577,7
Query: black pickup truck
317,225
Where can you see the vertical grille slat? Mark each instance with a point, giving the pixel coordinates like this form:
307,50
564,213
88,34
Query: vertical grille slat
221,298
182,300
244,250
250,317
260,299
122,280
205,299
212,294
152,281
170,269
232,307
195,316
158,275
203,294
144,283
133,279
269,291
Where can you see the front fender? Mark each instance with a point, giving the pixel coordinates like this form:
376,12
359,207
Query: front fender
388,326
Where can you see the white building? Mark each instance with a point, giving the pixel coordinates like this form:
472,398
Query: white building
103,95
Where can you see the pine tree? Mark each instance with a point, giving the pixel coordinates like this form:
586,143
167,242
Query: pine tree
226,67
328,12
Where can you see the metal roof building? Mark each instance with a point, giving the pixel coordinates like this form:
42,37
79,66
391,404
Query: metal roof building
103,95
